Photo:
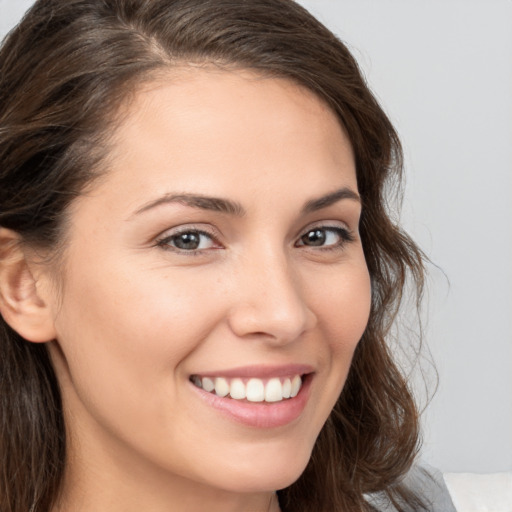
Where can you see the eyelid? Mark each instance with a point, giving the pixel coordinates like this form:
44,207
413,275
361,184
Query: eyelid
325,224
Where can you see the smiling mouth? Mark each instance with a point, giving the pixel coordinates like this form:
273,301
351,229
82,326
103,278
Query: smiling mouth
276,389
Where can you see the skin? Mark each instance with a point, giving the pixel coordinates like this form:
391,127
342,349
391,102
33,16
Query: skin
135,317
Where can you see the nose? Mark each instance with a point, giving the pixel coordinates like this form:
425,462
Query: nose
269,301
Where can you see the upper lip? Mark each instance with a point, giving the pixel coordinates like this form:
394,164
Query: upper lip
259,371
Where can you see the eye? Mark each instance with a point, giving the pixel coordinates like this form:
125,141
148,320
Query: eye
328,237
188,240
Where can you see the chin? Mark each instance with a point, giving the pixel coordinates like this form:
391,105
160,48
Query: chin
268,470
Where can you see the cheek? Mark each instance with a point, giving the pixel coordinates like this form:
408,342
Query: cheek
123,341
128,329
341,300
343,308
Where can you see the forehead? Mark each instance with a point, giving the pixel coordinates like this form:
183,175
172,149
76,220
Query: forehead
218,132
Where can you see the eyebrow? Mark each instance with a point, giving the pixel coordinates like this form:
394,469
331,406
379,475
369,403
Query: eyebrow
215,204
329,199
218,204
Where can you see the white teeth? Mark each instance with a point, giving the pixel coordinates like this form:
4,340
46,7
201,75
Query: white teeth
273,391
237,389
221,386
287,388
208,384
296,384
255,390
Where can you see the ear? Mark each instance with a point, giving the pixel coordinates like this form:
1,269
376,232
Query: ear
22,302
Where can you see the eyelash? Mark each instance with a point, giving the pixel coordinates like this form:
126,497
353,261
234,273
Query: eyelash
345,237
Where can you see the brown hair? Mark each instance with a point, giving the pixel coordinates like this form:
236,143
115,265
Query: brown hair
64,71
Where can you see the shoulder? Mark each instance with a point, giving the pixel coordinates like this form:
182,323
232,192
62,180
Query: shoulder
427,483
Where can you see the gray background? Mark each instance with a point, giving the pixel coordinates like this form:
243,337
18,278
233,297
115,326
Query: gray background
442,69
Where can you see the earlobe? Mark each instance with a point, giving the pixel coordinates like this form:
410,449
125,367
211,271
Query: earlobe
21,303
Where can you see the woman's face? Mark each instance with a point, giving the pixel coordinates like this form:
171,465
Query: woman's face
221,247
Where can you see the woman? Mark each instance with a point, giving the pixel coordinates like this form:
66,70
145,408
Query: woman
197,268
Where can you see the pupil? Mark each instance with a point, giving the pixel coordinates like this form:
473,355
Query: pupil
314,237
187,241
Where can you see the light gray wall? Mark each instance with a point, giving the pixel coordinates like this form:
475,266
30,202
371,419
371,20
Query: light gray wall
443,71
11,12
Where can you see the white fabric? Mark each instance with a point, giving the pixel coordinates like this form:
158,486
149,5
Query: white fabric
471,492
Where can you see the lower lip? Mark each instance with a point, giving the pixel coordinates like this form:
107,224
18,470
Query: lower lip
260,414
